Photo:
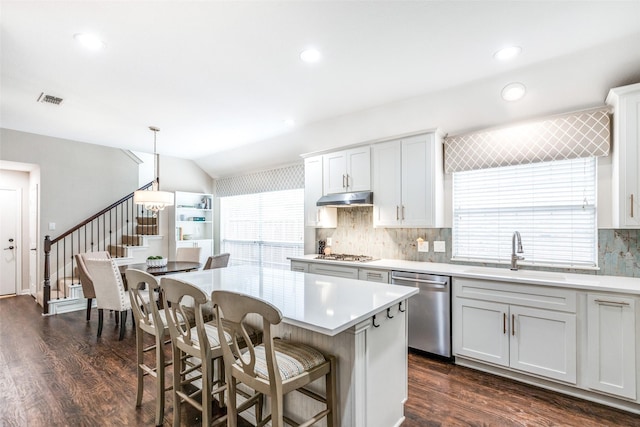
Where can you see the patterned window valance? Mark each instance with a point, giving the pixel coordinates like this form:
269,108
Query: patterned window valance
582,134
286,178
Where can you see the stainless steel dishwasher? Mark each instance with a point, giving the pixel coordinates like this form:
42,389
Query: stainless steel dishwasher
429,311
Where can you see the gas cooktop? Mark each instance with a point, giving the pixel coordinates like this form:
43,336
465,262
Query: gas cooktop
346,257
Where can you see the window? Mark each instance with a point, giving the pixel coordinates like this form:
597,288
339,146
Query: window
264,228
551,204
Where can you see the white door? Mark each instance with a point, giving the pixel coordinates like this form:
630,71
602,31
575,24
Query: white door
9,234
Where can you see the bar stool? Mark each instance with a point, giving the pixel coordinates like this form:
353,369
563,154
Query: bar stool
200,342
152,321
273,368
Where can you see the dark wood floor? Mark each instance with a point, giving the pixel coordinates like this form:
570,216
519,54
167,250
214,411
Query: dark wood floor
55,372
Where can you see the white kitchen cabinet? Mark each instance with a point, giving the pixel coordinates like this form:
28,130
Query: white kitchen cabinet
509,325
611,344
192,223
625,156
381,276
334,270
347,170
301,267
316,216
408,182
348,271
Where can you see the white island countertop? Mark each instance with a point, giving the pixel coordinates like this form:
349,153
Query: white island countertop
325,304
589,282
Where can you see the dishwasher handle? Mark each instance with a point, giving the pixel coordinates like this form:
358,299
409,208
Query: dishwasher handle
435,283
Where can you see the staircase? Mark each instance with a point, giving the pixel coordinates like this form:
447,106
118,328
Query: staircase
126,230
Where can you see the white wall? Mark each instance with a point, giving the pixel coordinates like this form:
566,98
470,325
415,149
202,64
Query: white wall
77,179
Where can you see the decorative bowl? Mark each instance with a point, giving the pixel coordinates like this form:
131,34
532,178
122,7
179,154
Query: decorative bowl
157,262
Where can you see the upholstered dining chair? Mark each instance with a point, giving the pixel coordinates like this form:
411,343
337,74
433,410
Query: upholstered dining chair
273,368
85,278
188,254
143,287
110,293
217,261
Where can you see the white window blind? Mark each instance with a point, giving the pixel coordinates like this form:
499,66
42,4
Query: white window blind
551,204
263,228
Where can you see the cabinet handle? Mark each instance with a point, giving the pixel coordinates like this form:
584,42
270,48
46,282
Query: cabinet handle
376,275
504,323
616,303
344,177
347,180
631,205
513,324
397,212
403,212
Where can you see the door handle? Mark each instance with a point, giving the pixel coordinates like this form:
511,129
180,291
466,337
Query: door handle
513,324
9,248
34,249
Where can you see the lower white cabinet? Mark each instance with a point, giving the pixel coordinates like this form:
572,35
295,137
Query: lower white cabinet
611,344
334,270
531,338
347,271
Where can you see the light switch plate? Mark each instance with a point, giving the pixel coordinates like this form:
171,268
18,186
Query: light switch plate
52,226
423,246
439,246
329,241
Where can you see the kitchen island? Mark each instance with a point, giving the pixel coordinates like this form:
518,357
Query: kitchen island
364,324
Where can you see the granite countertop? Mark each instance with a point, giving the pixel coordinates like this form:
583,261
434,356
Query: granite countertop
589,282
324,304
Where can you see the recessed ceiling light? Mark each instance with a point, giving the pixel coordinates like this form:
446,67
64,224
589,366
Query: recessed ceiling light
89,41
507,53
310,55
289,122
513,91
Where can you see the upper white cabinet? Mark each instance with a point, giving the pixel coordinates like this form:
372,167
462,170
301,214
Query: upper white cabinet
407,182
316,216
347,170
626,155
611,344
193,223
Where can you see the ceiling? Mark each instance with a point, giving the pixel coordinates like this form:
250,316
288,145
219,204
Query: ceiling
220,78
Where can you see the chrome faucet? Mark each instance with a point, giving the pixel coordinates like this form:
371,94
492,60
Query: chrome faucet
514,257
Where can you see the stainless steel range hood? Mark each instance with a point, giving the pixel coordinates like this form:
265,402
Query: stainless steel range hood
360,198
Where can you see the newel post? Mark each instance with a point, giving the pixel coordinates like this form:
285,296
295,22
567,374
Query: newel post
46,290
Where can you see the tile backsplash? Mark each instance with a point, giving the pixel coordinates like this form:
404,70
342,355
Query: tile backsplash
618,250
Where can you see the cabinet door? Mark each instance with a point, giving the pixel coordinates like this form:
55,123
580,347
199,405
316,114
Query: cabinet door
417,171
386,184
335,172
334,270
629,128
312,189
481,330
611,345
358,169
543,342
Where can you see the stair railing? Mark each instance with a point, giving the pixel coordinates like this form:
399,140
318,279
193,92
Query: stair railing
96,233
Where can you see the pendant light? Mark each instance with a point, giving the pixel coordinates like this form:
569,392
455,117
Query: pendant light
154,199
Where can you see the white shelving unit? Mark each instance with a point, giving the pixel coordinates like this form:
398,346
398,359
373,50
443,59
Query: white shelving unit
192,223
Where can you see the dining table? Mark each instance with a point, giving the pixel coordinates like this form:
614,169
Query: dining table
171,267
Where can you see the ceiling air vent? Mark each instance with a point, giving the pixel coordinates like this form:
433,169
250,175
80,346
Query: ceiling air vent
49,99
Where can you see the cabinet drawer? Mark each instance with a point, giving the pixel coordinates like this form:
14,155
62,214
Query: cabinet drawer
373,275
546,297
334,270
302,267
